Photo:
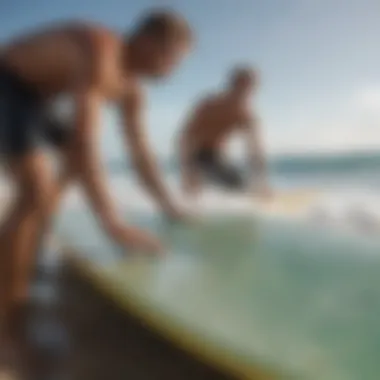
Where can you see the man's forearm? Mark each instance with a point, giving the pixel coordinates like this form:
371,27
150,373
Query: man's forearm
85,157
93,181
149,175
258,166
132,109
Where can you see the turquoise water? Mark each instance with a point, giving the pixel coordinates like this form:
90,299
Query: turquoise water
288,296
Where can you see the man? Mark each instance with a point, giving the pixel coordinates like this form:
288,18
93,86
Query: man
92,64
206,131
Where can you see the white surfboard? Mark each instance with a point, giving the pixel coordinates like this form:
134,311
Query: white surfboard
287,203
290,203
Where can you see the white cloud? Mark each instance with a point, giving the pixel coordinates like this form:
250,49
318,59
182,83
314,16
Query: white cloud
357,128
368,99
328,137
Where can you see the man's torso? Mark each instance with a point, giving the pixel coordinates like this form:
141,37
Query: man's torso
40,67
212,123
58,60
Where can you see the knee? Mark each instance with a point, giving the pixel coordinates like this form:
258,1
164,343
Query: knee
37,196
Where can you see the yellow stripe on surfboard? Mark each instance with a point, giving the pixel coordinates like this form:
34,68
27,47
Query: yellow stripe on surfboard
185,339
287,202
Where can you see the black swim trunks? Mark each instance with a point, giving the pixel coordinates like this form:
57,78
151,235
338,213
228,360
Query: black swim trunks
215,169
25,124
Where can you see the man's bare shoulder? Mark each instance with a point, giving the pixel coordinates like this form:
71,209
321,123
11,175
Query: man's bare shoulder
248,117
208,101
103,46
89,35
72,28
101,34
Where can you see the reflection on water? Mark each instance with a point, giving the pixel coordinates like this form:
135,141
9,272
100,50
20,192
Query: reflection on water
285,294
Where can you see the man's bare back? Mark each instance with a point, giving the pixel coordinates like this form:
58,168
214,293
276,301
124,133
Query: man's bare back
211,124
213,121
62,58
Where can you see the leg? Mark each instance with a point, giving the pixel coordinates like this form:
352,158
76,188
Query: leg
210,165
58,135
64,180
19,234
22,120
222,173
190,174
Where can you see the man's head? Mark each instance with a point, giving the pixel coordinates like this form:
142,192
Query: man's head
159,42
242,81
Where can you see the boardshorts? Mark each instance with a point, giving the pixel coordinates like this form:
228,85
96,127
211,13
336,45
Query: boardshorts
217,170
25,124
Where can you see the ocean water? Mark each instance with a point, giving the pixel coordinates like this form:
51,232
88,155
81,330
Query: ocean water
349,187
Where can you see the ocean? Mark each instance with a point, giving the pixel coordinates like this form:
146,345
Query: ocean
349,185
354,170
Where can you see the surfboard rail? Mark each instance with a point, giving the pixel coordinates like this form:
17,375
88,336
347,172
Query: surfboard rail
207,352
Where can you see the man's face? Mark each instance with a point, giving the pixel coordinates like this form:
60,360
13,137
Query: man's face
163,59
244,87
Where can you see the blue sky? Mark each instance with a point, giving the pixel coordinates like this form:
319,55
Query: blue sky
319,61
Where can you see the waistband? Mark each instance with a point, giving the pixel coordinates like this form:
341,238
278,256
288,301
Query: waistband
10,77
205,155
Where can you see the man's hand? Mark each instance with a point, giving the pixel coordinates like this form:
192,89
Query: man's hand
256,155
134,238
264,191
132,109
178,215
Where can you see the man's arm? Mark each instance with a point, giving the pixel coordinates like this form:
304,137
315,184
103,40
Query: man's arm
84,159
256,153
141,153
87,165
86,155
191,179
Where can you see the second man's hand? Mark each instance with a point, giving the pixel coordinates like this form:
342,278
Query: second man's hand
265,192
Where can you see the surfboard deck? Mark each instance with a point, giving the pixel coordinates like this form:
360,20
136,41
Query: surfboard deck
257,299
292,202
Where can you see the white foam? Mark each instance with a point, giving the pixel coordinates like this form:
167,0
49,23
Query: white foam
355,210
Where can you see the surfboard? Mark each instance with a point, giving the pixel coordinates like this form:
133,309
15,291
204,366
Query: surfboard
256,298
287,203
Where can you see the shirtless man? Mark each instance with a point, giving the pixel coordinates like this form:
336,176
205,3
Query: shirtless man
93,64
210,124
